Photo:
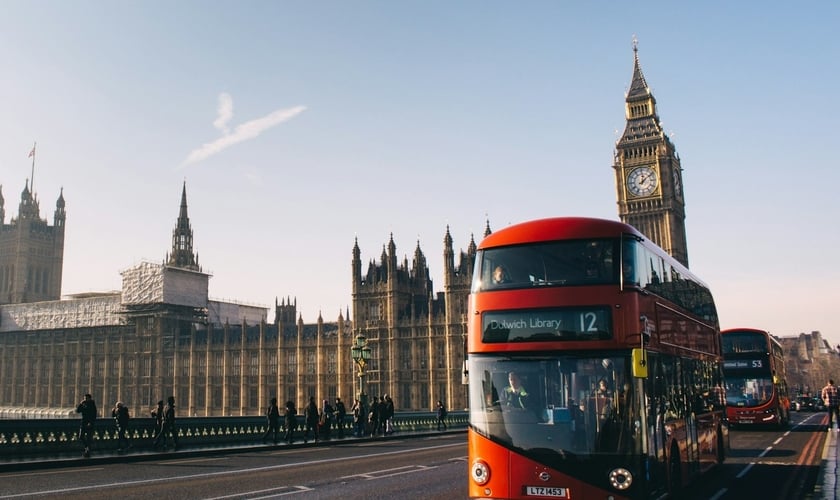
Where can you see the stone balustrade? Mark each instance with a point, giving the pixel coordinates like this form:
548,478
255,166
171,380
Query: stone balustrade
21,438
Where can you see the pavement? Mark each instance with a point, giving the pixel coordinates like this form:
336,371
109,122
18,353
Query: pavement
828,482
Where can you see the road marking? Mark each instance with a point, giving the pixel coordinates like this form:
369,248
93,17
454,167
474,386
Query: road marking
297,450
275,492
379,474
69,471
373,453
192,460
719,494
746,469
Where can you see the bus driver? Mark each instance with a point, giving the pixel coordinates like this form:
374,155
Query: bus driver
515,395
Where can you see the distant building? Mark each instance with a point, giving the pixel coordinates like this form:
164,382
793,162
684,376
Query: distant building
31,251
809,362
161,335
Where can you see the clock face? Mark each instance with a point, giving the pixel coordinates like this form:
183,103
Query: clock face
642,181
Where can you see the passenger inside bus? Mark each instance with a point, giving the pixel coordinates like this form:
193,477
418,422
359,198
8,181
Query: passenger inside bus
629,272
500,275
602,402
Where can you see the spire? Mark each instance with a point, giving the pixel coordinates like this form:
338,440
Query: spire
392,247
419,258
182,254
183,214
28,208
60,215
487,231
639,109
638,86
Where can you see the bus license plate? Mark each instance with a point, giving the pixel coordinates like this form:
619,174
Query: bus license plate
542,491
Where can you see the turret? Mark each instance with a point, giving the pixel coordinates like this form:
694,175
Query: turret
60,215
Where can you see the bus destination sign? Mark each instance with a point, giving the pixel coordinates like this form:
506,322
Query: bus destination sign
740,364
530,325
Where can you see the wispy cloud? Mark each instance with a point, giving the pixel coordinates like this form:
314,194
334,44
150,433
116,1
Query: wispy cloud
225,110
242,132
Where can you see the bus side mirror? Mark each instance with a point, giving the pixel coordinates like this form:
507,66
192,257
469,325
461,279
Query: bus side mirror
639,360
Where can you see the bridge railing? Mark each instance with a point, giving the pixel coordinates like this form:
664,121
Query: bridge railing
20,438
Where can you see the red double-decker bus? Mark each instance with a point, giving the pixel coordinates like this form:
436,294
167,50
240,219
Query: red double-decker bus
594,365
756,383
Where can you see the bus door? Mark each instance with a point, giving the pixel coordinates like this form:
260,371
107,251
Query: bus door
657,406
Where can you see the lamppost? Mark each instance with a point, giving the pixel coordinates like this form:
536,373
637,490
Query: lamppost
361,354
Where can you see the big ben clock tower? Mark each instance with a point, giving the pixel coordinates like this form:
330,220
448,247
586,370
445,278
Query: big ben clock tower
647,172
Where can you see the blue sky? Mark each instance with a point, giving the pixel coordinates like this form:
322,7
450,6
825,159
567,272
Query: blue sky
301,126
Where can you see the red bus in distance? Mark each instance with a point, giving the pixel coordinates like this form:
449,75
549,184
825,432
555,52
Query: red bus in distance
756,380
594,365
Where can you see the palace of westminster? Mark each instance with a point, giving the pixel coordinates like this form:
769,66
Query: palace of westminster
161,335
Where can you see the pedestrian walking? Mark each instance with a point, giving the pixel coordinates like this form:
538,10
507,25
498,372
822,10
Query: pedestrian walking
272,416
831,398
441,415
359,418
157,415
327,419
121,417
340,416
375,416
87,407
168,429
290,421
388,415
310,417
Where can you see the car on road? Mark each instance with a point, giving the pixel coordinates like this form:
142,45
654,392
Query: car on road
817,404
804,403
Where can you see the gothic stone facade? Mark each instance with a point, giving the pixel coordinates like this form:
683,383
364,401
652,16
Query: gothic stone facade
161,336
31,251
417,338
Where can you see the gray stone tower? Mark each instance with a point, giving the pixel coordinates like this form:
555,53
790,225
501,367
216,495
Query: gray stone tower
31,251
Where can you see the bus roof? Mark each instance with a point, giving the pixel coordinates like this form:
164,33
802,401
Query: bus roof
747,330
557,228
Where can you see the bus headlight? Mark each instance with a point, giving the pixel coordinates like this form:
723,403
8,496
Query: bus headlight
621,478
480,472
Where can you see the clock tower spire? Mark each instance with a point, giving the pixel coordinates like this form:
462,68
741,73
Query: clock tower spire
648,174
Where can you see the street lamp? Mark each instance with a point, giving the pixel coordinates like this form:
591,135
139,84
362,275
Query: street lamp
361,354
